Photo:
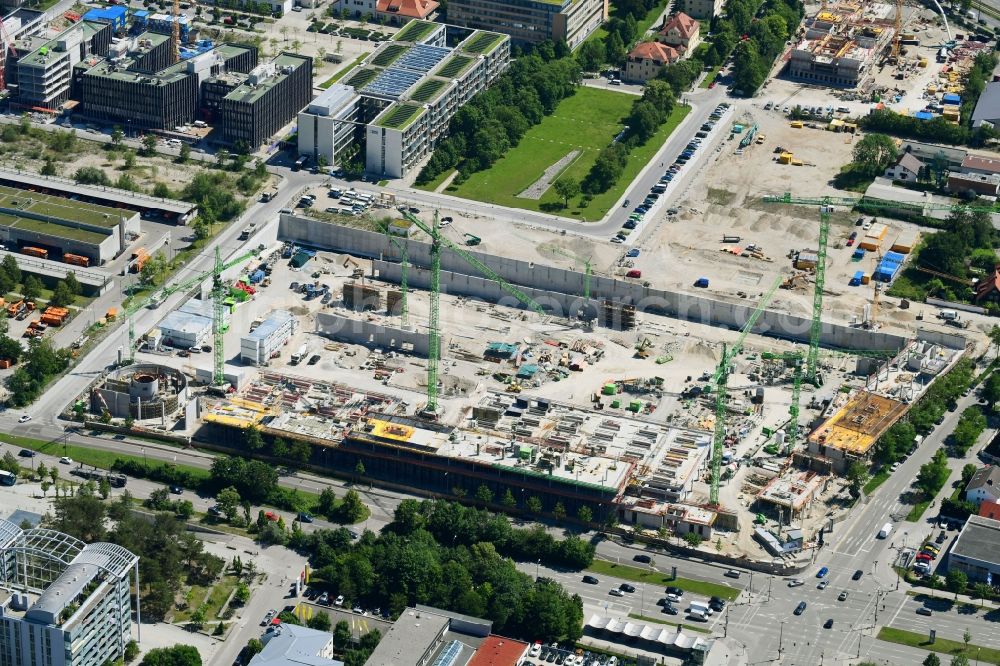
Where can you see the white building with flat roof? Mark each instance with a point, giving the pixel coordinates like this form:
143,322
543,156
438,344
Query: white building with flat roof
327,127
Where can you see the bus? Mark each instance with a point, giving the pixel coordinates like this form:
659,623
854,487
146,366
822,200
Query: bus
6,478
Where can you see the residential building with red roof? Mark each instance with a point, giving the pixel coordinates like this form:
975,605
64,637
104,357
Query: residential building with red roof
988,289
647,60
681,32
989,509
398,12
704,10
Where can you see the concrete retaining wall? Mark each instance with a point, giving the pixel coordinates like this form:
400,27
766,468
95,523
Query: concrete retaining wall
561,290
372,335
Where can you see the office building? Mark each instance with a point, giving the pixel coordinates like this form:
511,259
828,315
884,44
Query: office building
267,339
112,91
704,10
63,602
329,125
45,67
266,99
404,93
532,21
426,635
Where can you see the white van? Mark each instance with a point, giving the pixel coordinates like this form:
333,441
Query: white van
700,607
885,531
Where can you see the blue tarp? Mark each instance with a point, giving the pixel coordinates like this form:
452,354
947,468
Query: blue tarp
923,115
951,98
894,257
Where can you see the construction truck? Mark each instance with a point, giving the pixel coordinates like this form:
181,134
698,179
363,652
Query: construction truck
15,309
35,252
76,260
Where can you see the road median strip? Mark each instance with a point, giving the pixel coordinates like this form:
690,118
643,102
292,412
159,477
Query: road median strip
984,655
646,618
652,576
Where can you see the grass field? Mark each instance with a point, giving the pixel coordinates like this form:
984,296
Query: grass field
982,655
628,572
588,121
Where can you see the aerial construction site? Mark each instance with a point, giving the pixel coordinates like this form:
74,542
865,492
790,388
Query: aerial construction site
553,383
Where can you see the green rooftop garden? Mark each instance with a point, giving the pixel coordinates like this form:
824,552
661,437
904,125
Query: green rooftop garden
58,230
59,207
362,77
389,54
482,42
454,66
399,116
415,31
427,90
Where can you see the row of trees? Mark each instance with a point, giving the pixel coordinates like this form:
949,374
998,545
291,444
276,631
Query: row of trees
483,130
463,525
970,426
41,362
898,440
448,555
766,37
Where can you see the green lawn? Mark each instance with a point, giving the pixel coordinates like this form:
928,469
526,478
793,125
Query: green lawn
588,121
984,655
628,572
876,481
917,511
657,620
344,70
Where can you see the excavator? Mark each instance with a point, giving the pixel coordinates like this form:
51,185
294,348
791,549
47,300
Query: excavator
358,271
642,348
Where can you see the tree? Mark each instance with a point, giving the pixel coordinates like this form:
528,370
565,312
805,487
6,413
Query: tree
54,474
45,485
228,501
73,284
117,136
178,655
484,494
559,511
327,503
935,583
991,390
128,162
341,635
692,539
508,499
857,477
319,621
968,471
42,470
10,268
252,439
131,651
534,505
932,475
184,154
32,288
49,167
221,157
351,509
957,582
104,488
584,514
61,295
566,188
931,660
960,659
149,144
983,591
874,153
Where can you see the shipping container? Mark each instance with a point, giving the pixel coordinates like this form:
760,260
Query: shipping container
905,242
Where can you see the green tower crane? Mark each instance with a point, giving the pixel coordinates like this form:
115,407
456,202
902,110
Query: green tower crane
438,241
403,270
719,381
588,270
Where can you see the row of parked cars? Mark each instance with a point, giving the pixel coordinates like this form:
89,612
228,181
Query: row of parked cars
660,188
553,654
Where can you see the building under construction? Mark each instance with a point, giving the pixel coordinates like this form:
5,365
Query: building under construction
842,44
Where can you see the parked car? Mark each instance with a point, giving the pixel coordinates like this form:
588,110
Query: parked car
822,584
822,572
857,575
795,582
717,604
615,592
842,596
801,608
828,624
645,559
627,587
591,580
176,490
923,610
24,418
732,573
339,601
305,517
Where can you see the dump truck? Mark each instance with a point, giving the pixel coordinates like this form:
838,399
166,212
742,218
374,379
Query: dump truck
31,251
14,309
76,260
111,314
